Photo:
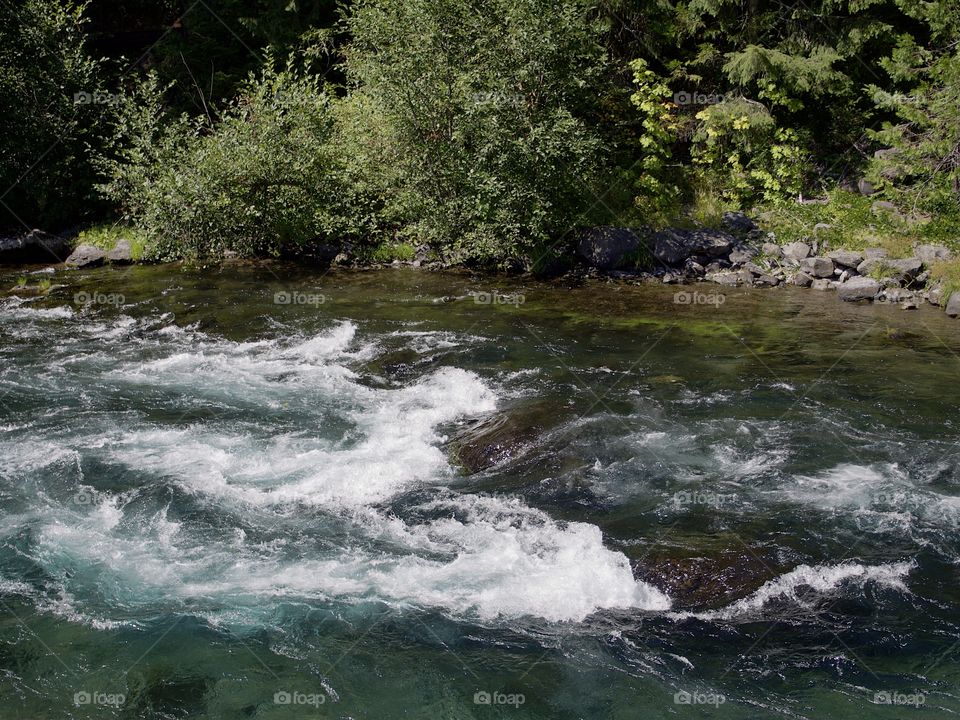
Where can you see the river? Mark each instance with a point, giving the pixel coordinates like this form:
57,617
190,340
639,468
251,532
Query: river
238,493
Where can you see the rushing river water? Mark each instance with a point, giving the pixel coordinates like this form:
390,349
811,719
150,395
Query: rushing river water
237,494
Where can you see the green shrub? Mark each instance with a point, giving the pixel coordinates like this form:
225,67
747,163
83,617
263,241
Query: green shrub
473,122
52,100
260,181
106,238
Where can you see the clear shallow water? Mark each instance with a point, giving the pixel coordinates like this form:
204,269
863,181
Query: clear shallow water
213,503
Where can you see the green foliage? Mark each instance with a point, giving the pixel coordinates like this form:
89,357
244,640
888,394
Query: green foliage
482,115
947,273
921,168
106,238
52,99
658,184
260,181
739,149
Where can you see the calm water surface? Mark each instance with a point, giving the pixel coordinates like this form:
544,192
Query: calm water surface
237,495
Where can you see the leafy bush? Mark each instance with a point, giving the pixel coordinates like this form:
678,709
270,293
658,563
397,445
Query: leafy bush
52,99
482,113
260,181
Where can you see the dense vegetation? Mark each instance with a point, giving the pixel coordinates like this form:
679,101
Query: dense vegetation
488,132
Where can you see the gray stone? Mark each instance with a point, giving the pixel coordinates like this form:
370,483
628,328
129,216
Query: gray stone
818,267
742,254
859,288
822,284
122,253
796,251
846,258
908,305
953,305
801,279
738,223
726,277
86,256
673,246
884,206
934,295
905,270
772,250
766,281
866,187
605,248
930,254
874,253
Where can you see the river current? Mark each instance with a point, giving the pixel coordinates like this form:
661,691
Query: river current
239,494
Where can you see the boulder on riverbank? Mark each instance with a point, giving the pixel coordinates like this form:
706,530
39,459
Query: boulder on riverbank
35,246
673,246
86,256
858,288
607,248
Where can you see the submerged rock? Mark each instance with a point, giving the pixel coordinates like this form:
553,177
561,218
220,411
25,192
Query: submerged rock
712,580
501,437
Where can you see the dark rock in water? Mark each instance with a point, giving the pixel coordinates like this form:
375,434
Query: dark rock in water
86,256
122,253
672,246
35,246
606,248
707,582
405,364
501,437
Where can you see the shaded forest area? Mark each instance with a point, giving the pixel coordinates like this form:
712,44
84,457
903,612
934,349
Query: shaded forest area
486,130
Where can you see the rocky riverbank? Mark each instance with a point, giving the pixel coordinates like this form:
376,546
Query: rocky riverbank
738,254
741,254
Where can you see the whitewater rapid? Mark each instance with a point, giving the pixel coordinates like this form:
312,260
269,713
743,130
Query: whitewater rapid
340,454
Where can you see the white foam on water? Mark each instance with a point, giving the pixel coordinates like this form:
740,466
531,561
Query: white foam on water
822,579
398,447
28,313
470,555
511,560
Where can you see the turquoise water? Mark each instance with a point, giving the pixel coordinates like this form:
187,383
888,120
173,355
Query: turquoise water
237,494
